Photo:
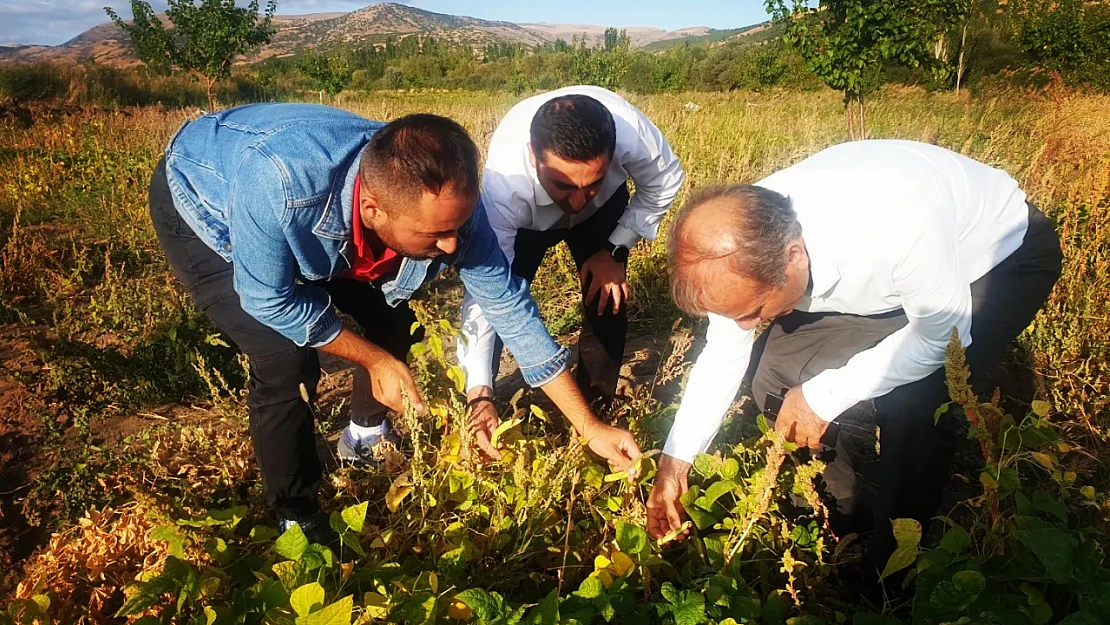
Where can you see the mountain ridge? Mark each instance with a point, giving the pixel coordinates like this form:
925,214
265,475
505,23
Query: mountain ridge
370,25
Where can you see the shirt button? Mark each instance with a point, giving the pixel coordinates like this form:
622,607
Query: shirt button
227,247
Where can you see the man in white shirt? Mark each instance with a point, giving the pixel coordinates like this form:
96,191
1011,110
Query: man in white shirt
865,256
557,170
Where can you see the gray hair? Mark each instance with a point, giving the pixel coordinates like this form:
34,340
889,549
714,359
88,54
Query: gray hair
752,227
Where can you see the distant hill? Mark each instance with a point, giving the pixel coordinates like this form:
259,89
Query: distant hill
712,36
367,26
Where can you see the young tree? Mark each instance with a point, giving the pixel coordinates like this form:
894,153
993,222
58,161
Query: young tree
204,40
846,42
331,73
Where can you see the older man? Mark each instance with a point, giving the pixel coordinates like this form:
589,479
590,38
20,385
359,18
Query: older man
865,256
276,215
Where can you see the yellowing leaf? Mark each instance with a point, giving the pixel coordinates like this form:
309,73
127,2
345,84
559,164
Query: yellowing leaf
1046,460
459,610
397,492
1088,492
377,605
502,429
605,577
433,582
622,564
1041,407
601,563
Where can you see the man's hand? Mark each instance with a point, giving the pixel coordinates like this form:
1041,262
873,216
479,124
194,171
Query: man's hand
664,511
388,376
607,279
798,423
483,420
614,444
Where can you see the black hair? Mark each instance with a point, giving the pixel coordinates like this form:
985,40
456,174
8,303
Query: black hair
418,153
575,128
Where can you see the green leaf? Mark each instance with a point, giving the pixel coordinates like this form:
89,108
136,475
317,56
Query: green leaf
943,408
729,468
1054,548
900,559
486,605
352,542
338,613
955,540
140,597
703,520
307,598
907,532
774,609
590,588
546,613
630,538
762,423
171,535
292,543
706,465
288,571
714,492
691,611
957,595
271,593
355,516
262,534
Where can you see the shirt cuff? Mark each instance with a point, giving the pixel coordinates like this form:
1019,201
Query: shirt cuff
623,235
823,399
476,359
684,449
324,329
539,375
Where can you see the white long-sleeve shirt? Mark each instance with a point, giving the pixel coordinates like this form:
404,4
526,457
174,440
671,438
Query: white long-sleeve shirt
514,199
888,225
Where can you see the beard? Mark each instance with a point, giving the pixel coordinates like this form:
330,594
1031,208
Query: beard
389,238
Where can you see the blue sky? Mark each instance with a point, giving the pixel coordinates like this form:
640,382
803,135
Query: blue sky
55,21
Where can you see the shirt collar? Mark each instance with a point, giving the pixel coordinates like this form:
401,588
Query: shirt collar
541,196
823,273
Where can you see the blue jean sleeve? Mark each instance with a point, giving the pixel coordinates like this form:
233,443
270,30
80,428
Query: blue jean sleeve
265,270
508,305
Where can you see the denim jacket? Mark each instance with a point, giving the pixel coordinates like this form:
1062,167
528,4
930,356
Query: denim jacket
269,187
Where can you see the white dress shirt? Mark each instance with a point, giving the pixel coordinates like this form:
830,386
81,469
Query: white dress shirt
888,225
514,199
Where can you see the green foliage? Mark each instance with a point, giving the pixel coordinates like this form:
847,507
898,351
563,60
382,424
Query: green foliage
332,73
204,40
1069,36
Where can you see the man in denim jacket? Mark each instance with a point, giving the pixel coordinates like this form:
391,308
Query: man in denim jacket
274,215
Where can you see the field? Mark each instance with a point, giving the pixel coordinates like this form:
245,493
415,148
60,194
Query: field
128,491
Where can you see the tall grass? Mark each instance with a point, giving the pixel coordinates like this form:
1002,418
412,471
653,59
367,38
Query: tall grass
86,175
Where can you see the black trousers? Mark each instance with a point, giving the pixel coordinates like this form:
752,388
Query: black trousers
281,423
915,454
602,339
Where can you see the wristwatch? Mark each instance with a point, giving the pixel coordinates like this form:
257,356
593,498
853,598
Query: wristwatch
619,252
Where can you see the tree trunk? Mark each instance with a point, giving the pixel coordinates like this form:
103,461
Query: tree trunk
211,102
862,134
851,117
960,62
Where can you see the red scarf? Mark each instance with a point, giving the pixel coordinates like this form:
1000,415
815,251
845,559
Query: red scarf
368,265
